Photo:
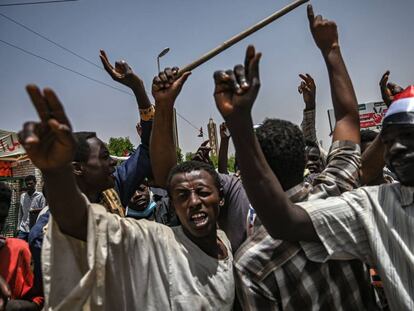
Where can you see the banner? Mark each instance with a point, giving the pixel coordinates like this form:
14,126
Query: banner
370,116
9,144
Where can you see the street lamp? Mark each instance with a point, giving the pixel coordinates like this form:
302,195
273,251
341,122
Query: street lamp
163,52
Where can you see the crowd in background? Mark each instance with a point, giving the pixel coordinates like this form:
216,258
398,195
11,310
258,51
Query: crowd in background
294,227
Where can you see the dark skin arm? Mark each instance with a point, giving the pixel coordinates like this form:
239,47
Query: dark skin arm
165,89
307,88
124,74
325,35
51,146
224,149
235,93
372,159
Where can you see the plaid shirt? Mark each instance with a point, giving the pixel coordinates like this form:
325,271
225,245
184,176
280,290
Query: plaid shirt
276,275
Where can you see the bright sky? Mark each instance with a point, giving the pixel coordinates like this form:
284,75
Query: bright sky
375,35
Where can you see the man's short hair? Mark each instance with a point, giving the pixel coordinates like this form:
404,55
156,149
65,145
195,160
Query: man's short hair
368,136
30,178
283,145
82,146
5,193
191,166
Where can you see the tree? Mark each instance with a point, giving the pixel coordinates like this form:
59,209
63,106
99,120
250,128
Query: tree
189,156
179,155
120,146
230,163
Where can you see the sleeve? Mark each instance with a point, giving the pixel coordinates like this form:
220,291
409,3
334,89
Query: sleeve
342,172
42,202
252,297
116,248
308,125
130,174
233,215
20,215
342,225
25,280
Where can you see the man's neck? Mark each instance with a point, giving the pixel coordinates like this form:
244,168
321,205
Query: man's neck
211,244
30,193
92,195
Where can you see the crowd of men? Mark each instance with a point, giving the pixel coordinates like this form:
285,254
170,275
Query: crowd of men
295,227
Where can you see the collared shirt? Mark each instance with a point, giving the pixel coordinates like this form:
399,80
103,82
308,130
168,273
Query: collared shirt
36,201
375,225
277,275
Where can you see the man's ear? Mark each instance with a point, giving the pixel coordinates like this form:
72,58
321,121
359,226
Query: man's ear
77,168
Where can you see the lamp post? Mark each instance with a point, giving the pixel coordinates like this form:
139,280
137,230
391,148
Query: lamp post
163,52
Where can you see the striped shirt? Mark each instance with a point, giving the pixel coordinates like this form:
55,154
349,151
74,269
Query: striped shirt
277,275
309,131
373,224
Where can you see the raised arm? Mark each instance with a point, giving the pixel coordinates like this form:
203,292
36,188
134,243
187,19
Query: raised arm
224,149
344,100
124,74
165,89
372,159
235,93
51,146
307,88
130,174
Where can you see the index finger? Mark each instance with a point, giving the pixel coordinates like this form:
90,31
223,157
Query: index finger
250,52
254,68
39,102
311,15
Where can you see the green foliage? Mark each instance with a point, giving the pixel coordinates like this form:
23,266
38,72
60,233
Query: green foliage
179,155
189,156
120,146
230,163
214,159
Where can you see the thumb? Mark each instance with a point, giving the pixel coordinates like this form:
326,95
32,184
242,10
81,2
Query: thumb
181,80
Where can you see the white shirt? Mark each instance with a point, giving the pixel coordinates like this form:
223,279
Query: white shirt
375,225
36,201
129,264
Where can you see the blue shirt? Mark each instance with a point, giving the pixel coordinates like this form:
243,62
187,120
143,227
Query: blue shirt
132,172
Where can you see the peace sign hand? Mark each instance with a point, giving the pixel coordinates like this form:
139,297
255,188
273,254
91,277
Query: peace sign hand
49,143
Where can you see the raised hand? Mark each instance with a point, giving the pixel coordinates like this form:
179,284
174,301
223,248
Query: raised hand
203,153
307,88
224,131
236,90
48,143
121,73
324,32
167,85
388,89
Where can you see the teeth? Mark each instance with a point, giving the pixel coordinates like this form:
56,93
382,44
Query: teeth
198,215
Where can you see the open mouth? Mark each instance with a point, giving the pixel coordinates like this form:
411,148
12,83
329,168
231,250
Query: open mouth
199,219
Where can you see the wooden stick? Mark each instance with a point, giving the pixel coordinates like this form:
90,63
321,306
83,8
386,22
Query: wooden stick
225,45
